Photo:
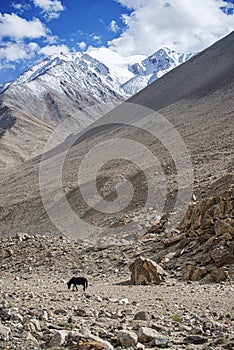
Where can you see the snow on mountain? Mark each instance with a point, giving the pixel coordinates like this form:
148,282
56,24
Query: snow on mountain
116,62
75,86
152,68
82,62
126,75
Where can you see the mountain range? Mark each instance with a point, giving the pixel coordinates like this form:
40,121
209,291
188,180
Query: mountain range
76,86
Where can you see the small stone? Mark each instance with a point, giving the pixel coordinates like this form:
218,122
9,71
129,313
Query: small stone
30,337
58,338
142,315
36,324
124,301
30,327
4,332
160,342
80,312
195,339
44,315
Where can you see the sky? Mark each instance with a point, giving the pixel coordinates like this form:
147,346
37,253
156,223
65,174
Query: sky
33,29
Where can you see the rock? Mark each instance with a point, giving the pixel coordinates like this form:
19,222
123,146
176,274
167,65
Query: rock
222,255
195,339
44,315
87,337
80,312
4,332
219,275
8,253
36,324
124,301
195,274
30,337
29,326
127,338
4,314
142,315
58,338
160,342
146,271
146,335
174,239
90,344
224,226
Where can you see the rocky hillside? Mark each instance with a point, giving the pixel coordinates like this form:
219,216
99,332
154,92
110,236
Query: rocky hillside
38,311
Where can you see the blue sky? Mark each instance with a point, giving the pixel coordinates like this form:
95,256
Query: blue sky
33,29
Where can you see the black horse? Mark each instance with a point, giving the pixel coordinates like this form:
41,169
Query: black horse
77,280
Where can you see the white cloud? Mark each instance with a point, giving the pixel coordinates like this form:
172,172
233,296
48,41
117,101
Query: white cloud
51,8
12,51
20,8
53,49
51,39
17,27
113,26
96,37
183,25
82,45
7,66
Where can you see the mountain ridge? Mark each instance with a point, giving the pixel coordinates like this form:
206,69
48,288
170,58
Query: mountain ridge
75,86
153,66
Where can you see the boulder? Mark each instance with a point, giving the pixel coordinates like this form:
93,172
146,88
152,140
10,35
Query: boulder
90,344
223,227
146,271
195,273
58,338
222,255
146,334
127,338
142,315
219,275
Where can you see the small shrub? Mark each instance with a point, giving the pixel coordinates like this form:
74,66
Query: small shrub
176,318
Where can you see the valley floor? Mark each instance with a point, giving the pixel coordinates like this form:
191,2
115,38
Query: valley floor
35,306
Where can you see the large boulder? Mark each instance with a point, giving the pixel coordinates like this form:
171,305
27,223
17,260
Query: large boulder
146,271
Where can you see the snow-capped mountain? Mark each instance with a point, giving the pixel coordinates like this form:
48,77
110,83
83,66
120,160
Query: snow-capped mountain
82,61
152,68
70,86
126,75
73,86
